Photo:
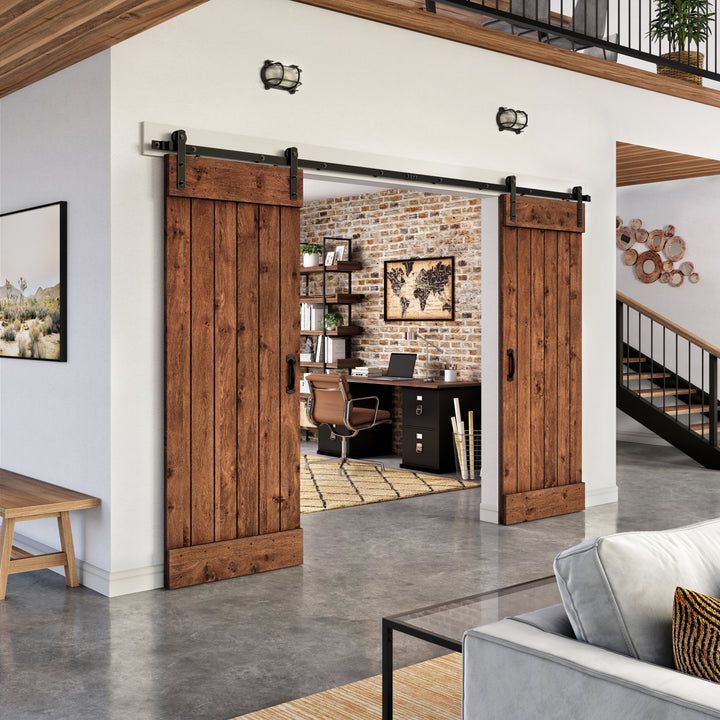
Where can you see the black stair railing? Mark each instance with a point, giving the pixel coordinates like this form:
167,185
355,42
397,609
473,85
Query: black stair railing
667,378
604,28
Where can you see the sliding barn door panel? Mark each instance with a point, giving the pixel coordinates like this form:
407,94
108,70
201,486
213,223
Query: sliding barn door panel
540,383
232,400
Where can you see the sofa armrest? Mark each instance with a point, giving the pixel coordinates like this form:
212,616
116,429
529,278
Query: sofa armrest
514,670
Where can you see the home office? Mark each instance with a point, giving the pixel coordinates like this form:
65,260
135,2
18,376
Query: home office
390,343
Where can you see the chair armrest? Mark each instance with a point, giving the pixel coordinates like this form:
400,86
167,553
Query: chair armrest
514,670
350,403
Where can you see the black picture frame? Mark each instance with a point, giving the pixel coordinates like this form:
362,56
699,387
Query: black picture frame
445,318
62,240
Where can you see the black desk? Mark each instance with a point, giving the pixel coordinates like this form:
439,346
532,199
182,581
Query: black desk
427,407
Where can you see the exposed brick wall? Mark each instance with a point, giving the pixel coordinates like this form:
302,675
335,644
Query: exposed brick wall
397,224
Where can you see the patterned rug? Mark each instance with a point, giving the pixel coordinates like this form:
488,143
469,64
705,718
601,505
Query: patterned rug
430,690
321,488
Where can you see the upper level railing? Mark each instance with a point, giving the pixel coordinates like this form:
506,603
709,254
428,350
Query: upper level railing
650,31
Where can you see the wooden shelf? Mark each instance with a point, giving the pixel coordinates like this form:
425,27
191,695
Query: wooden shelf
337,365
337,299
342,331
338,267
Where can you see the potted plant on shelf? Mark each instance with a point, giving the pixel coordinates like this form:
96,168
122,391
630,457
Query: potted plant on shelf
683,24
331,320
310,254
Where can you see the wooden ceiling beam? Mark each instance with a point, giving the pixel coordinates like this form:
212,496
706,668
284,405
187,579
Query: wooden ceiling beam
638,165
49,35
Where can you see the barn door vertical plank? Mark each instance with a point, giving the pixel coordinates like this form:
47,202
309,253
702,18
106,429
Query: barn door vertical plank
290,345
551,354
523,361
248,397
225,373
271,369
177,372
563,361
508,388
575,240
202,389
537,359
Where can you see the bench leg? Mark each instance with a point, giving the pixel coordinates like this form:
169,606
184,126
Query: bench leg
6,541
66,543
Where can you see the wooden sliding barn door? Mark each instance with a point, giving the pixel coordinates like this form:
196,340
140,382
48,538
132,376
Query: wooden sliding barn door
232,331
540,347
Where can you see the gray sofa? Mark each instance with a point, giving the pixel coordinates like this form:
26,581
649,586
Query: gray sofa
606,652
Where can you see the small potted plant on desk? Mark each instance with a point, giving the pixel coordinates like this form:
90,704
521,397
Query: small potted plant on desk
310,254
331,320
683,24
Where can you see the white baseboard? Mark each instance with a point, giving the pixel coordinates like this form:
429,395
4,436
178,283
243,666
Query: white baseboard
601,496
110,584
489,513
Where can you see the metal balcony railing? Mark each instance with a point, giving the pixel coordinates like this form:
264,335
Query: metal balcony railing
603,28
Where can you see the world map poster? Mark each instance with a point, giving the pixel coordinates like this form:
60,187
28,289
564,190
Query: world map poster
420,289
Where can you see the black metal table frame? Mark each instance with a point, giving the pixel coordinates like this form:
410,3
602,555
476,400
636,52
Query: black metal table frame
394,624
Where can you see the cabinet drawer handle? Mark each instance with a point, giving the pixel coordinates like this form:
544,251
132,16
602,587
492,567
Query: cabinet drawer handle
419,448
418,409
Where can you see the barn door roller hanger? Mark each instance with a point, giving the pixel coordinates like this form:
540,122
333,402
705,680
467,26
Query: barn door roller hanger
178,143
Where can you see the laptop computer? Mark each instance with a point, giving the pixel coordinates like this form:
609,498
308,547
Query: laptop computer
400,367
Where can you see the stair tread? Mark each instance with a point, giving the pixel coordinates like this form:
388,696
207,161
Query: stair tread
687,409
646,375
652,392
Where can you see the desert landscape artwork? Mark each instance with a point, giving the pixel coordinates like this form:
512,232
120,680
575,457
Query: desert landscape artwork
32,283
420,289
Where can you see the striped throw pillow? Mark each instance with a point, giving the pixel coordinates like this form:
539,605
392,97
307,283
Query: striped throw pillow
696,634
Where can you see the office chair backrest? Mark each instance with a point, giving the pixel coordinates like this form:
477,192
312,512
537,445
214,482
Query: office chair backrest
329,394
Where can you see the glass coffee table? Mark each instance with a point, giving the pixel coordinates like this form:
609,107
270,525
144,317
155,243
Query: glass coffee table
446,623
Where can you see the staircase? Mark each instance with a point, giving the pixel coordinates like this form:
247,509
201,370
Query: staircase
667,380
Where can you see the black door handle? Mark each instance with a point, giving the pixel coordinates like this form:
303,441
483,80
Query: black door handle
511,364
290,364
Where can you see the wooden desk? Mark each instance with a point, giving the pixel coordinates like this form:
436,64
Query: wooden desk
426,408
23,498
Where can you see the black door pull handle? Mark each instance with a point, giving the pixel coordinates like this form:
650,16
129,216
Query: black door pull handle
511,364
290,364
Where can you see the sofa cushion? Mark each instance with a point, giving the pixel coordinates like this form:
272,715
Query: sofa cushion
696,634
618,590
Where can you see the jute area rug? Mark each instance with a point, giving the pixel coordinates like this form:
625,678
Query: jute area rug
427,691
321,488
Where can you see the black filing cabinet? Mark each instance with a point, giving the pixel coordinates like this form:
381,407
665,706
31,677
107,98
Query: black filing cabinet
426,428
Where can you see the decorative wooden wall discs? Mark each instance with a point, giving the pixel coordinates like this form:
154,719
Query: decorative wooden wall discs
687,268
669,230
676,278
694,278
649,266
675,248
636,223
668,266
618,222
630,256
656,240
641,235
665,277
624,237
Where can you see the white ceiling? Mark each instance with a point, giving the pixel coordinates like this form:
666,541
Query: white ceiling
326,189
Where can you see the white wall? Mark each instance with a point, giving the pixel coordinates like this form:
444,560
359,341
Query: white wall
352,107
55,421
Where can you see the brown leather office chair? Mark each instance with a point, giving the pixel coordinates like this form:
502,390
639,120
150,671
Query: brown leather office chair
332,404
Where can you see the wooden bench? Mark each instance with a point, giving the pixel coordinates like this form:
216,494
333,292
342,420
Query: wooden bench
23,498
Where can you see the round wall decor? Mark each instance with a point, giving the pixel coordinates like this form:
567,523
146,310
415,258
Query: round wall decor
687,268
624,237
676,278
649,266
636,223
665,277
618,222
668,266
630,256
694,278
641,235
656,240
675,248
669,230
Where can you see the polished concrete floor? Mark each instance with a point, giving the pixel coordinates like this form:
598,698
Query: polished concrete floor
218,651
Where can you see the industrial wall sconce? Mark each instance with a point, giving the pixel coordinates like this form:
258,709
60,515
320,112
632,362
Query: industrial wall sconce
280,77
509,119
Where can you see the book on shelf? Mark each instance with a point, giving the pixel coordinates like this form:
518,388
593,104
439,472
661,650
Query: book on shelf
334,349
311,317
319,349
365,371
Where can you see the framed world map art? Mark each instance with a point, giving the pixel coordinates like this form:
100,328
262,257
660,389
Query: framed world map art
420,289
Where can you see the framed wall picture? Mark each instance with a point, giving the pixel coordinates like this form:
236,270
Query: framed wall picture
420,289
33,283
330,258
